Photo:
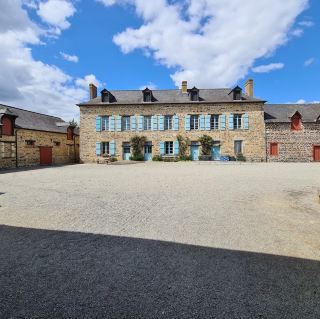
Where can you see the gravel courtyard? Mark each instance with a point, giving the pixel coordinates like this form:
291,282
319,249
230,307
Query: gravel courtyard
161,240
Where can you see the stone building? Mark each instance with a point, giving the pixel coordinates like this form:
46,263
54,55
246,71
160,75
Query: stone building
28,139
293,132
235,121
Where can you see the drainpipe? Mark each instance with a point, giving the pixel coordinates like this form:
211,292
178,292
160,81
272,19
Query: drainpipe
16,136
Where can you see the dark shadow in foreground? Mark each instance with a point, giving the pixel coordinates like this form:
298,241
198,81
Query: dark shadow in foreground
55,274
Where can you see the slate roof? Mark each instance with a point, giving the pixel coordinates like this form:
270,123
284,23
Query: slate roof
283,112
170,96
35,121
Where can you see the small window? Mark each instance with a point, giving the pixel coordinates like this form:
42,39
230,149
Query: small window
105,148
30,143
168,122
237,121
70,133
147,96
147,123
7,150
194,122
214,122
238,147
168,148
274,149
296,122
56,143
105,123
105,97
126,123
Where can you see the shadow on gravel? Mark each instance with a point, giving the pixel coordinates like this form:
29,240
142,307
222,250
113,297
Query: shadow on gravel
31,168
55,274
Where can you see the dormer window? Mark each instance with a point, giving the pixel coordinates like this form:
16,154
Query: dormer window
194,94
147,95
105,96
237,93
296,122
7,126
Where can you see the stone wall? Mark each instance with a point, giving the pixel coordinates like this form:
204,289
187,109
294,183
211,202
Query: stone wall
294,146
253,138
7,151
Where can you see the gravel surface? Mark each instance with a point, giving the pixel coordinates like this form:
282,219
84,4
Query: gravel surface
161,240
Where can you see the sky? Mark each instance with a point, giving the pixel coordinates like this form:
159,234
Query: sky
50,50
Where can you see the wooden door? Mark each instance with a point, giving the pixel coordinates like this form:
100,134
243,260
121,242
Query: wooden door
316,153
45,155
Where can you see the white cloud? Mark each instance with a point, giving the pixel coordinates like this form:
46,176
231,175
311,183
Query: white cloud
107,2
297,32
26,82
268,67
211,43
69,58
306,23
150,86
56,13
84,82
309,62
302,101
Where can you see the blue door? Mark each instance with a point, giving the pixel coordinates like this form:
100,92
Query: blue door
195,152
216,154
126,153
148,152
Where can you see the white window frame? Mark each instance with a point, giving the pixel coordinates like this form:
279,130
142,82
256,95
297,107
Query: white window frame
194,122
147,123
214,121
126,123
105,123
168,148
237,121
105,148
168,122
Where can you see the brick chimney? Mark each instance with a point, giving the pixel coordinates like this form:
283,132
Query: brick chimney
92,91
248,88
184,87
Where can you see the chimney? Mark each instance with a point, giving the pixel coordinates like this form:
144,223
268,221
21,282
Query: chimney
184,87
92,91
248,88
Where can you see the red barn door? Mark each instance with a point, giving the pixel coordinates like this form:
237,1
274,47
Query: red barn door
45,155
316,153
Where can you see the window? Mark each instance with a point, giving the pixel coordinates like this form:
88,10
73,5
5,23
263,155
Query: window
147,95
56,143
70,133
7,150
296,122
105,97
274,149
147,123
238,147
105,123
30,142
237,121
168,148
105,148
194,94
125,123
168,122
214,122
194,122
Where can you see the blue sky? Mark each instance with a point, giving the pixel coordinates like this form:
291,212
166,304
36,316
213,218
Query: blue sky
74,42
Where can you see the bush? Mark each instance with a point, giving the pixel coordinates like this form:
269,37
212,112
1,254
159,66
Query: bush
157,158
171,159
185,158
137,144
206,144
113,159
183,145
138,158
205,158
241,158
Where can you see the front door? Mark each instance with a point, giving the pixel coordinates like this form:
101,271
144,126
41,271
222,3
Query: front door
148,152
126,152
195,152
45,155
216,153
316,153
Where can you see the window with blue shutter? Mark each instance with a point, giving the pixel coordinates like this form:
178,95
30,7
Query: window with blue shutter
223,122
176,148
161,122
161,148
202,122
187,122
154,123
231,121
112,124
133,123
176,123
112,148
207,122
98,149
246,121
140,123
98,123
119,123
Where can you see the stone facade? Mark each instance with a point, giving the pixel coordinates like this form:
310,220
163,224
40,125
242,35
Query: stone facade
293,146
253,138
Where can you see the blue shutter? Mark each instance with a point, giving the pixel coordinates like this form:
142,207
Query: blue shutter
112,148
112,122
231,121
176,123
222,122
207,121
161,122
202,122
140,123
187,122
133,123
246,121
154,124
176,148
98,123
161,148
98,149
119,123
